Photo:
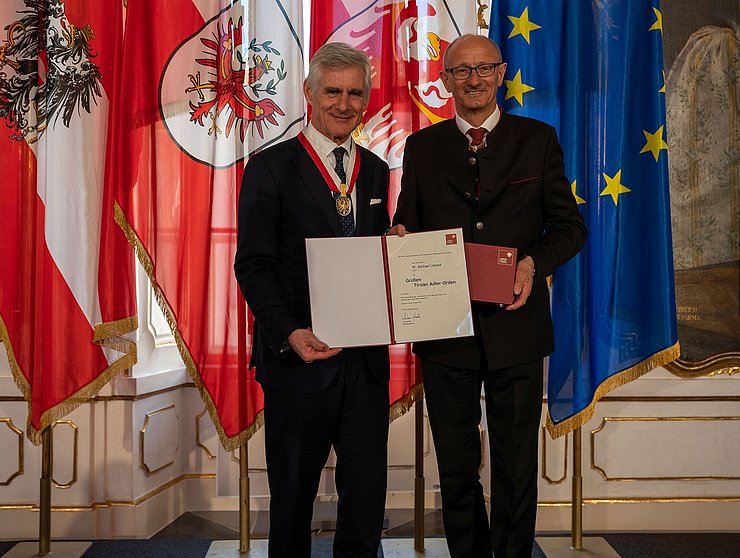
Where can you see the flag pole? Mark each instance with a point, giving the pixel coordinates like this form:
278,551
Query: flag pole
419,474
47,461
244,536
576,529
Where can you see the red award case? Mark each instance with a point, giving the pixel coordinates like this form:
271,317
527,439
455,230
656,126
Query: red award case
491,272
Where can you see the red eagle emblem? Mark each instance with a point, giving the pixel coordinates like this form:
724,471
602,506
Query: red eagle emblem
234,90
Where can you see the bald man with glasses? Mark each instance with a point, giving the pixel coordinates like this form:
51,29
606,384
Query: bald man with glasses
500,177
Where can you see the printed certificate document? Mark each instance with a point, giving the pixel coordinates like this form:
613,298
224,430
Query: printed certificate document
384,290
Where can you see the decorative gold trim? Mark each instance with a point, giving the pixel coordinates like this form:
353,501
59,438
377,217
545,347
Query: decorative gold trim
481,18
9,423
676,500
228,442
109,335
607,398
197,435
605,420
75,453
614,381
544,460
724,363
402,406
142,436
115,503
235,458
670,399
211,476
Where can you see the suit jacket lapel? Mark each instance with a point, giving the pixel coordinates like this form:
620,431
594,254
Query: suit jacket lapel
314,182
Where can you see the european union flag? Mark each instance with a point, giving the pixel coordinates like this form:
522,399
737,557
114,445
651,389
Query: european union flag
594,70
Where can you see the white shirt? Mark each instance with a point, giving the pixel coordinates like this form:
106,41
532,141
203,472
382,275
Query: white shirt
489,124
325,147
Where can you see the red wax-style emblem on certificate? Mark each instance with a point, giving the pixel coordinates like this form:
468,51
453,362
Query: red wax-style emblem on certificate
450,238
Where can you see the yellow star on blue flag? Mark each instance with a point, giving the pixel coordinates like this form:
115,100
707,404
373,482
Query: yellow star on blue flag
658,25
516,89
579,199
522,25
614,186
654,143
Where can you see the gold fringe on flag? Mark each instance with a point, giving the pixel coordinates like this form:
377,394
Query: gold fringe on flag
229,443
109,335
612,382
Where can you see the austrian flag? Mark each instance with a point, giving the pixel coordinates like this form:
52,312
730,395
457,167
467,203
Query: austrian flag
66,287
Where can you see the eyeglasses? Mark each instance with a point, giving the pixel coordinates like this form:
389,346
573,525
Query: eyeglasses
483,70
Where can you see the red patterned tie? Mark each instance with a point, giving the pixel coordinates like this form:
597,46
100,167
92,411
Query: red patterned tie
477,134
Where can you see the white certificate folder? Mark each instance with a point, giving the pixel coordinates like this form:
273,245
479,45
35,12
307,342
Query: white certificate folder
382,290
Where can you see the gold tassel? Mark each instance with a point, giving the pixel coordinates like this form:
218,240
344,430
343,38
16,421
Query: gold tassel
612,382
55,413
229,443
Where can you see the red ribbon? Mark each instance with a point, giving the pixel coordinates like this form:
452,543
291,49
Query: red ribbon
322,167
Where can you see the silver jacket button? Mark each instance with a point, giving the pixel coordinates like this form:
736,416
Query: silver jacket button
472,161
479,225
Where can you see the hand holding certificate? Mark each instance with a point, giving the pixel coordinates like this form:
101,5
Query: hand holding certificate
383,290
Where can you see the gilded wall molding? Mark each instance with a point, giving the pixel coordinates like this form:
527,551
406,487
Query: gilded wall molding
198,441
545,475
150,419
607,420
716,365
8,422
75,453
115,503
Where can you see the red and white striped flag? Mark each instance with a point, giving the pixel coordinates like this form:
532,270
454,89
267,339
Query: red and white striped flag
67,290
405,41
205,84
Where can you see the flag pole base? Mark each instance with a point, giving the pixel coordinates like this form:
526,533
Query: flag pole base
401,548
231,549
71,549
560,547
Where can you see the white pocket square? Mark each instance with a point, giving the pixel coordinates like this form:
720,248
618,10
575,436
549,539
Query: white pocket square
373,201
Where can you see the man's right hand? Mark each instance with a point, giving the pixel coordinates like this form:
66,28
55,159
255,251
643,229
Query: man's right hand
308,347
398,230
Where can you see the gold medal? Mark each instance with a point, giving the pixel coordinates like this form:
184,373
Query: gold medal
343,202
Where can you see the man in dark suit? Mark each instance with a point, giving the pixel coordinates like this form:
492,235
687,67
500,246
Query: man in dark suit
319,184
500,177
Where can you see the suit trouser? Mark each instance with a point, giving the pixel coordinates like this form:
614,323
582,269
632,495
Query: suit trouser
300,429
513,409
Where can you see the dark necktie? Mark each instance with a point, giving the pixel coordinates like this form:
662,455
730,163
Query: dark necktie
478,134
347,221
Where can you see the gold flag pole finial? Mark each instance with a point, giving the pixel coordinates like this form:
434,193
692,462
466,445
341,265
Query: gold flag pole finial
482,24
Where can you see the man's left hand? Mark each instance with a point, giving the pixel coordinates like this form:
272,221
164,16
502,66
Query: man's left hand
522,282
